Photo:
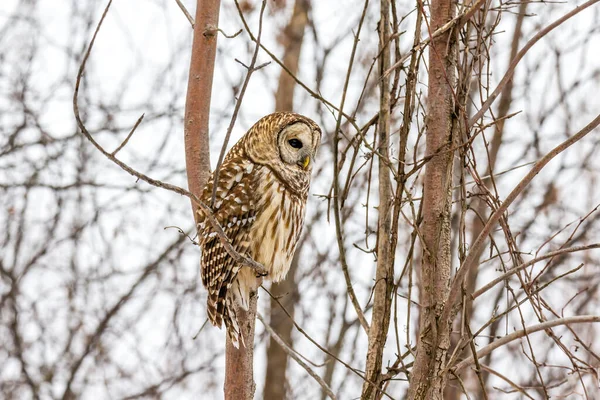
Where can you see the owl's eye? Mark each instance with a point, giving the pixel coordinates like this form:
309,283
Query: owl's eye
295,143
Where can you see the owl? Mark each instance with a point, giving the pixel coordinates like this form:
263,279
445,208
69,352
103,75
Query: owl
260,201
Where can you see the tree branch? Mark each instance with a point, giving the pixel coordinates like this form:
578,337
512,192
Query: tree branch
518,268
580,319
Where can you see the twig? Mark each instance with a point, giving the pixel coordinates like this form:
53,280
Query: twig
580,319
124,143
518,268
296,358
181,232
336,173
230,36
476,362
185,12
200,330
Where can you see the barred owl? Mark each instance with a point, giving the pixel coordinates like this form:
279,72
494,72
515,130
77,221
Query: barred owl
260,202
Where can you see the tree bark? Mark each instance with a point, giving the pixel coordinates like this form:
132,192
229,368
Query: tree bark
427,381
384,275
239,372
286,290
197,103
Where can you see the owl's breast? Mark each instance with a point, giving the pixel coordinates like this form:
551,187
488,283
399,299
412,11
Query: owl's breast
276,230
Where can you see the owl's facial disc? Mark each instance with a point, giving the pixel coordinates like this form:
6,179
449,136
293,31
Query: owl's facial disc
296,145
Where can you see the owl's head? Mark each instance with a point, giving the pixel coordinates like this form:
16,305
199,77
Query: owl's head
297,144
287,143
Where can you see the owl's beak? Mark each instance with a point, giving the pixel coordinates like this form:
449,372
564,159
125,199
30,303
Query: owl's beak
305,163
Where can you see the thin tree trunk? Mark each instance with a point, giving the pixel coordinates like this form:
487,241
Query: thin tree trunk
286,290
197,103
428,381
239,383
384,276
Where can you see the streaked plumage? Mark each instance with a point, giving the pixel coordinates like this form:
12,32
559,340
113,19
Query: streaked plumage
260,204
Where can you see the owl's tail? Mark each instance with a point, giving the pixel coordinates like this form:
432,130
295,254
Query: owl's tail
221,308
231,323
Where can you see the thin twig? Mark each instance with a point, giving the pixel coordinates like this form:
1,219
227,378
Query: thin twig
518,268
231,36
185,12
181,232
580,319
124,143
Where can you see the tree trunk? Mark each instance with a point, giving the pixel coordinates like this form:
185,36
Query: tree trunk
239,382
197,103
384,276
286,290
427,381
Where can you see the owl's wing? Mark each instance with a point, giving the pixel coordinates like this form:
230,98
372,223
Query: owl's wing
235,210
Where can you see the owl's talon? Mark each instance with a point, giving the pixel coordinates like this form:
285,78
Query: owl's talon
260,274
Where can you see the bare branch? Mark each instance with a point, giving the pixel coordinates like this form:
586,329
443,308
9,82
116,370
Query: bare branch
518,268
580,319
124,143
336,172
185,12
384,275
